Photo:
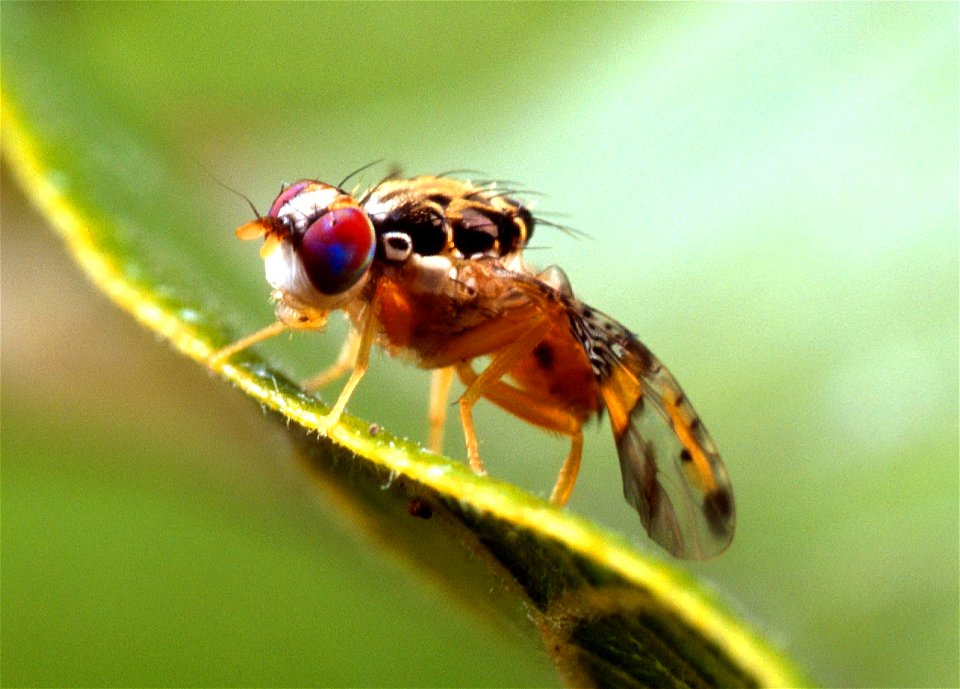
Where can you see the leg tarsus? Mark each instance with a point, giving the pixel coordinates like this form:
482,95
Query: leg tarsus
216,359
567,477
470,435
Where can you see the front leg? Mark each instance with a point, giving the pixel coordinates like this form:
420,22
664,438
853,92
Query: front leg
218,358
368,332
345,361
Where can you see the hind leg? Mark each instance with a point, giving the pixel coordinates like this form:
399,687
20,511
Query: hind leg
550,417
437,414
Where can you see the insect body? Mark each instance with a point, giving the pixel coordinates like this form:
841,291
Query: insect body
431,268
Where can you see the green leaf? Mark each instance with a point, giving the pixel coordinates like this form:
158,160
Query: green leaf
608,616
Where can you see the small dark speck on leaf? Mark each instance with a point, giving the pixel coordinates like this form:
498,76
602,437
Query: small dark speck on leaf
420,508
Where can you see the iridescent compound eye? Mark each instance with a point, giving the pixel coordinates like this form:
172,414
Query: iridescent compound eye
337,249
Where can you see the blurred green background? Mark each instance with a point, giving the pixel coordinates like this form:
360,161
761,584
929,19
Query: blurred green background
771,194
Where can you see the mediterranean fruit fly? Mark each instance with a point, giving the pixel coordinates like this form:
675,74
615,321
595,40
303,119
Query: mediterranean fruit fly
432,268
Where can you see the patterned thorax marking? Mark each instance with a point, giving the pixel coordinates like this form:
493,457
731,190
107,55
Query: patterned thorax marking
441,216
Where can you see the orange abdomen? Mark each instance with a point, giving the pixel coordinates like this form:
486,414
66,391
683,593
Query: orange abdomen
558,369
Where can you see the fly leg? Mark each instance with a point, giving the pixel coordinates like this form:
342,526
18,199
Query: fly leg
544,414
219,357
437,414
345,361
502,362
368,332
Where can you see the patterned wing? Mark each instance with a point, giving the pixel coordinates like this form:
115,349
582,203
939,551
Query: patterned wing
672,472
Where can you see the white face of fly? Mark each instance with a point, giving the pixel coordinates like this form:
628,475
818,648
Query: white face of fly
285,272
